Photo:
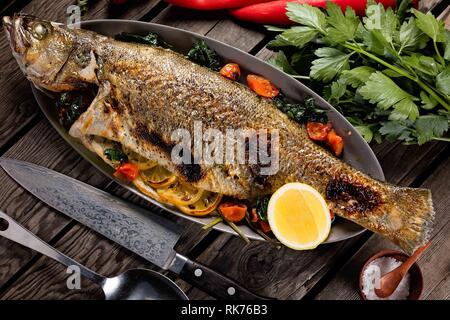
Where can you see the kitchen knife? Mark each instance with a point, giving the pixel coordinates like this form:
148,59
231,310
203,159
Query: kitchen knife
140,231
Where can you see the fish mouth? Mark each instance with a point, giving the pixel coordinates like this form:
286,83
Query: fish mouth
17,35
7,23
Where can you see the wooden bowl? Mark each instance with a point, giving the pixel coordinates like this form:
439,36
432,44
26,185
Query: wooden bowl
416,279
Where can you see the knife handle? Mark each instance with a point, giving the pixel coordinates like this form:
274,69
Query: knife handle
215,283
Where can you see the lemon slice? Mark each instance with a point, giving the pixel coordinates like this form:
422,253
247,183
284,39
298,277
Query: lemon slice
180,194
146,189
299,216
158,177
207,203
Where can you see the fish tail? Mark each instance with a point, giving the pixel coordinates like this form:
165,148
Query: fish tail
411,217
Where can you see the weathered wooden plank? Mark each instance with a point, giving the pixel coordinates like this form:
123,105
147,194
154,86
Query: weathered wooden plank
427,5
195,21
445,16
17,107
242,39
434,263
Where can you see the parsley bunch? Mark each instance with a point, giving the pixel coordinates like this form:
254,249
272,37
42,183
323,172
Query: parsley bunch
388,72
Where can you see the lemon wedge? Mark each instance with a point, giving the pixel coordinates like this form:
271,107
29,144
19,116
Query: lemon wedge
299,216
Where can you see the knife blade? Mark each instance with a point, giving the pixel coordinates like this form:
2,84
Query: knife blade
140,231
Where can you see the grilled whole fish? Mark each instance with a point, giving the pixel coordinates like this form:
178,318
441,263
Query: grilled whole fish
146,93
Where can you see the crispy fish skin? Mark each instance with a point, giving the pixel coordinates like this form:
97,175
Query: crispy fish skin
145,93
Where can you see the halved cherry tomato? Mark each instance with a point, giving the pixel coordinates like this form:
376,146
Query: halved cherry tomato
264,226
128,170
231,71
318,131
233,212
262,86
254,216
335,142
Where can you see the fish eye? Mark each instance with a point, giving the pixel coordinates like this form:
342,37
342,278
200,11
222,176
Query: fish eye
39,31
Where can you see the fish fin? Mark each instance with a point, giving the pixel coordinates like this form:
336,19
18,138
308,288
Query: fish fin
411,217
99,119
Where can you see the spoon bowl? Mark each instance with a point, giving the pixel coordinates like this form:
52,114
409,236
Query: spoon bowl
141,284
416,278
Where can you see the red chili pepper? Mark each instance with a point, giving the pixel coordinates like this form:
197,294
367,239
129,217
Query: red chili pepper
213,4
128,170
275,12
335,142
318,131
262,86
231,71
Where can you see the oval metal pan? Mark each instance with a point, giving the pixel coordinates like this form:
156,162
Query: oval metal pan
357,152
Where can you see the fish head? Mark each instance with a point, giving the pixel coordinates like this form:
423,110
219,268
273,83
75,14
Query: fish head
41,48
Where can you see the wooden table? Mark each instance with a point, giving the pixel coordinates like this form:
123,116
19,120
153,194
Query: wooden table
329,272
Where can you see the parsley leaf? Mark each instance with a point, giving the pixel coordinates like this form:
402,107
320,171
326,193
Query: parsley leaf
299,36
306,15
279,41
366,132
430,126
447,45
424,64
356,76
337,91
433,27
428,102
331,63
343,28
281,62
384,21
443,81
410,37
395,130
386,94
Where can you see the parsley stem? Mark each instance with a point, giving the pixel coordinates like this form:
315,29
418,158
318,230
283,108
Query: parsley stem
433,94
212,223
380,61
441,60
401,72
446,139
300,77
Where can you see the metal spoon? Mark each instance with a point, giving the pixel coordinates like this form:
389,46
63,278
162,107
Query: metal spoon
133,284
390,281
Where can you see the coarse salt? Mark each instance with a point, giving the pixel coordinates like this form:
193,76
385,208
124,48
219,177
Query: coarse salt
373,273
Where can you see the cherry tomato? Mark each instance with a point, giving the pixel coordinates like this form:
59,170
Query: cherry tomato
233,212
231,71
128,170
318,131
254,216
262,86
335,142
264,226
